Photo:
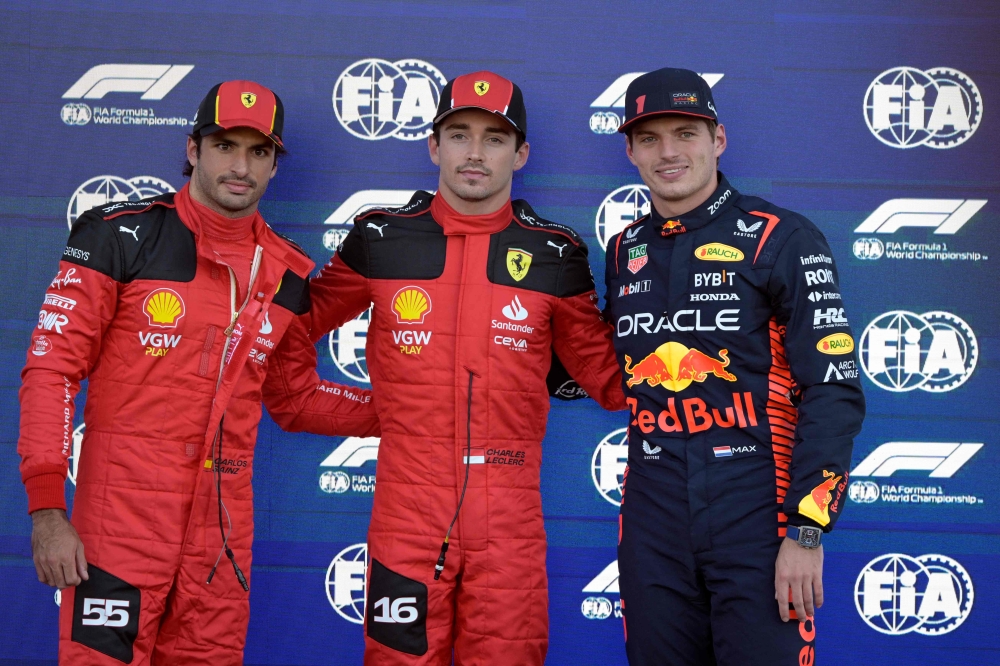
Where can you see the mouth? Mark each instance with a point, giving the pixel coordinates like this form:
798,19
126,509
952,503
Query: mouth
473,174
237,186
671,173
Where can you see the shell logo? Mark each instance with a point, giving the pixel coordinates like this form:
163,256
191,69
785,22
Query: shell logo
836,344
163,307
718,252
411,305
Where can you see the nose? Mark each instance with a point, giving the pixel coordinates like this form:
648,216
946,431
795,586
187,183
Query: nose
240,164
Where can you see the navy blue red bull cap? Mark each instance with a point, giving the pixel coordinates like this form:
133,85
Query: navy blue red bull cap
487,91
668,91
241,104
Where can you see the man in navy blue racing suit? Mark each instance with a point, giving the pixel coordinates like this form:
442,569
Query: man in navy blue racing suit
742,379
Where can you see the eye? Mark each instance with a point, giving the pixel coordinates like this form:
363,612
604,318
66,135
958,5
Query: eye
687,135
223,146
260,152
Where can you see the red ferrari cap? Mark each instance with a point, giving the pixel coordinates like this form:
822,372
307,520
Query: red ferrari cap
241,104
487,91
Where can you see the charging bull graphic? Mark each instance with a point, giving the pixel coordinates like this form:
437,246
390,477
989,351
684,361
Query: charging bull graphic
674,366
816,505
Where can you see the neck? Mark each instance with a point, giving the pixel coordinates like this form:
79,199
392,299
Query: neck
201,197
491,204
678,207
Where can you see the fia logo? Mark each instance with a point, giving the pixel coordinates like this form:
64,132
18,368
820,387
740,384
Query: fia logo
376,99
346,582
599,607
347,347
939,108
620,209
607,466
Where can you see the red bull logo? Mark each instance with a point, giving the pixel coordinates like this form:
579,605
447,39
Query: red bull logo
697,415
671,227
816,505
674,366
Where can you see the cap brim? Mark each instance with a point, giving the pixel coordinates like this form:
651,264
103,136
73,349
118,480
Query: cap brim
479,108
211,129
657,114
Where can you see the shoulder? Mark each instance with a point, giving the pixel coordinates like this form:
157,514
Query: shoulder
779,226
396,243
130,240
527,218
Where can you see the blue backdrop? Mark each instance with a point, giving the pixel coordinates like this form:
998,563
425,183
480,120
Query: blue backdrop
868,117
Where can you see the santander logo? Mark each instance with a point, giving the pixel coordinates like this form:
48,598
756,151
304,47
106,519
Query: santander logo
515,311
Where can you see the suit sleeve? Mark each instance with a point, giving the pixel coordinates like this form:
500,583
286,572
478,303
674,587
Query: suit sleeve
818,344
298,400
65,345
341,291
581,338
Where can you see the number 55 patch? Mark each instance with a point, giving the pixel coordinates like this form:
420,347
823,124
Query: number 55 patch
106,614
396,611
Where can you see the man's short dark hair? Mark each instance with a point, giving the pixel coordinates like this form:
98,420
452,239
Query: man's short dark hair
197,138
436,131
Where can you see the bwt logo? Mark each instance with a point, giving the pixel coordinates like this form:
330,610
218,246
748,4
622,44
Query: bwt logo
934,351
600,607
607,467
346,579
929,594
938,108
347,347
620,209
356,204
375,99
940,459
613,97
153,81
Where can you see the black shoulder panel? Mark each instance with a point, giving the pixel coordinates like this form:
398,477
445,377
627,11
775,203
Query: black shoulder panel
288,240
397,243
524,213
293,293
140,240
544,259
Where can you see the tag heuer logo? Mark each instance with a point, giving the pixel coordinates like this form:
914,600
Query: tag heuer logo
637,258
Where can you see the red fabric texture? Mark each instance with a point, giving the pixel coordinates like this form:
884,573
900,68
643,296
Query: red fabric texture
491,603
145,503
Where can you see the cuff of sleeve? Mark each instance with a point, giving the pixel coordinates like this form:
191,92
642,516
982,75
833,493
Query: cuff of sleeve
46,491
801,521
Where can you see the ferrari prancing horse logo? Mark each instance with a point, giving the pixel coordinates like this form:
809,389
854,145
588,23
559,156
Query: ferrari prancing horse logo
518,263
482,87
248,99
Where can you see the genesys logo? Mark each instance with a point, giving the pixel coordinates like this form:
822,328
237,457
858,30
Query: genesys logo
346,579
896,594
597,606
606,119
921,466
104,190
944,216
342,219
347,347
607,466
152,81
940,107
620,209
935,351
340,472
376,99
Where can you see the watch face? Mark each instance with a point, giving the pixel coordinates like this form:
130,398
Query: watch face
809,537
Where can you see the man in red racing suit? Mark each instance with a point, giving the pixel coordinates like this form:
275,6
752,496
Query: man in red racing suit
470,294
184,313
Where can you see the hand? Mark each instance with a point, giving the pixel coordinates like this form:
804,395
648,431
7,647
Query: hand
56,549
801,570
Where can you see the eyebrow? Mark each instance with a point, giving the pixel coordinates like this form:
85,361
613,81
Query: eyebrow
492,130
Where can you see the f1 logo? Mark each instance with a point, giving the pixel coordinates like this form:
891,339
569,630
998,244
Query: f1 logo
153,81
942,460
945,216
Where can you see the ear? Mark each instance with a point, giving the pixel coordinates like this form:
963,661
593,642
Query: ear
521,157
720,140
192,152
433,148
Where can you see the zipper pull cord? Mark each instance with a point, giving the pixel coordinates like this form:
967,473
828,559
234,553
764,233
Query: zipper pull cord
439,567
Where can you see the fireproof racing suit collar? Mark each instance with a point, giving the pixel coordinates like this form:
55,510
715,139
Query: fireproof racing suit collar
713,207
456,224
